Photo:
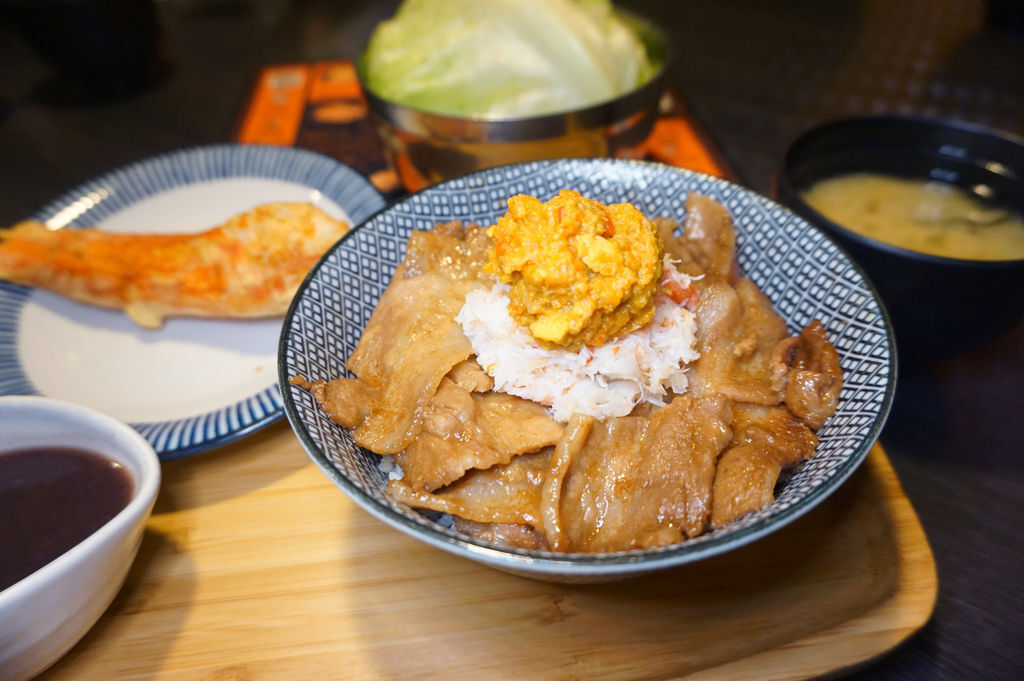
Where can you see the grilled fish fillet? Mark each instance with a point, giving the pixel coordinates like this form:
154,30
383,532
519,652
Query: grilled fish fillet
250,266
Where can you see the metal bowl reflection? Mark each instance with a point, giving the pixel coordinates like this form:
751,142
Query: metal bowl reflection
426,147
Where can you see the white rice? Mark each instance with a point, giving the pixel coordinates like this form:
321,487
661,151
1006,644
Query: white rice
389,467
602,382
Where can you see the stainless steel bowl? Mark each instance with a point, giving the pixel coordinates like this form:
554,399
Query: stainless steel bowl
425,147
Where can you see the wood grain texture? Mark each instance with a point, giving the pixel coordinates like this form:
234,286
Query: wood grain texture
255,567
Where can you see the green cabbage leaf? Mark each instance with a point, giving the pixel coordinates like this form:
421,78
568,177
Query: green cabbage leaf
503,58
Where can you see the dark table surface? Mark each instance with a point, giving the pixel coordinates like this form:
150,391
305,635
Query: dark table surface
756,74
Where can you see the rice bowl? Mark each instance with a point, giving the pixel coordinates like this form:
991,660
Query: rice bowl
829,282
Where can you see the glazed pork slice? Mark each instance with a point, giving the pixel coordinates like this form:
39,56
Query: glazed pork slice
766,441
468,375
347,401
455,250
815,378
503,494
511,535
681,447
744,482
636,482
600,480
675,248
709,238
461,431
410,343
743,345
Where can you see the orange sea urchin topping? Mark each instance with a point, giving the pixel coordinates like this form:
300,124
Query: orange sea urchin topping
580,272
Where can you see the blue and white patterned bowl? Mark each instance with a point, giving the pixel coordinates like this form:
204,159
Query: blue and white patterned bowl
195,383
804,273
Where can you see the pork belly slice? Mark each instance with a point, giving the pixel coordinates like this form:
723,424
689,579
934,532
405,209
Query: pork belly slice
633,482
454,250
595,496
511,535
710,239
577,432
682,444
471,377
461,431
743,345
675,248
815,379
504,494
744,482
411,341
766,441
347,401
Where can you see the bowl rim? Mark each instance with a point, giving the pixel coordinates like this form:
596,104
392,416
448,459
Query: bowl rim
143,495
583,565
484,128
790,195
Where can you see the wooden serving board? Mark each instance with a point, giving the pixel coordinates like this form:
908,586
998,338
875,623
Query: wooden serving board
255,567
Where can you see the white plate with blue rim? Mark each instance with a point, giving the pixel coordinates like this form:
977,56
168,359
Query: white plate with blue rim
193,384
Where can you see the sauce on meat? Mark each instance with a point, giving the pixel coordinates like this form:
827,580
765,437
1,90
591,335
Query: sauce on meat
52,498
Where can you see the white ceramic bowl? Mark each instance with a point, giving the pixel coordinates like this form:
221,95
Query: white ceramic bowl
46,613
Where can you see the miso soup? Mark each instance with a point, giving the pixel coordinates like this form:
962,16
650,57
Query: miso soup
920,215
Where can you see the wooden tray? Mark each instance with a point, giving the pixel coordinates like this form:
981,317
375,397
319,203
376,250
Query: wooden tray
255,566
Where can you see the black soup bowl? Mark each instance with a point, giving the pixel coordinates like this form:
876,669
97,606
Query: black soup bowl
939,306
